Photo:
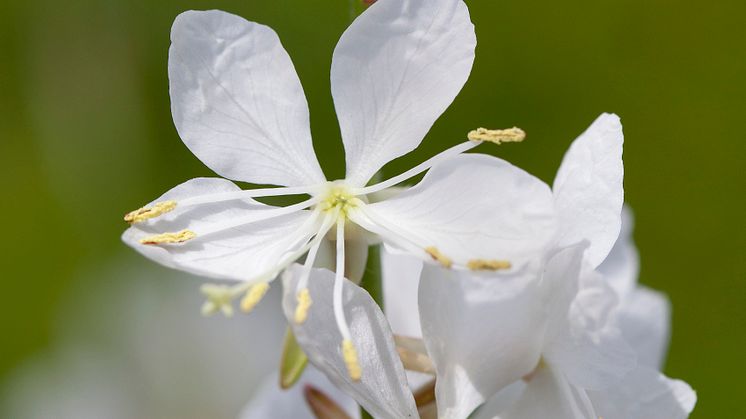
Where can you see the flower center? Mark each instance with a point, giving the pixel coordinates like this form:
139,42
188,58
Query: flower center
338,197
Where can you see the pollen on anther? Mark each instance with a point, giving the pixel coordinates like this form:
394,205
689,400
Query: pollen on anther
438,256
304,303
253,296
497,136
488,264
170,238
349,353
146,213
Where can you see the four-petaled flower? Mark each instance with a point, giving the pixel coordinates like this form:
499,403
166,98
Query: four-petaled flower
238,105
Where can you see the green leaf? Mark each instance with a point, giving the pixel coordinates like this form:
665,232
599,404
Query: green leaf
293,361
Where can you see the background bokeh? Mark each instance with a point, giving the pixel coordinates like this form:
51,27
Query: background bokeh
86,135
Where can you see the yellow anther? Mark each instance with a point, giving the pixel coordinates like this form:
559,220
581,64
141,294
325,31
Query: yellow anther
219,298
253,296
304,303
349,353
488,264
440,257
167,238
497,136
146,213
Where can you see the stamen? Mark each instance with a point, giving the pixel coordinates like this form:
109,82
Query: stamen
146,213
170,238
253,296
438,256
432,161
260,215
348,349
304,303
497,136
219,297
488,264
249,193
349,353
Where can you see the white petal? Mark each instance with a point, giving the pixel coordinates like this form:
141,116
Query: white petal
239,253
482,333
588,188
590,350
644,317
472,206
549,395
237,101
645,394
394,71
382,389
271,402
401,278
622,266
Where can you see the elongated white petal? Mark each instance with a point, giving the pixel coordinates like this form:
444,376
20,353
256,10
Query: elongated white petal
482,333
645,394
644,317
237,101
401,278
240,252
588,188
382,389
471,207
549,395
272,402
622,266
589,349
394,71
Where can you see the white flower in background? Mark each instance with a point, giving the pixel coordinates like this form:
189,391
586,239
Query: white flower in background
144,354
313,391
238,105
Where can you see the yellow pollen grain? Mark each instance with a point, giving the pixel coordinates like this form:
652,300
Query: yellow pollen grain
146,213
440,257
497,136
488,264
349,353
253,296
167,238
304,303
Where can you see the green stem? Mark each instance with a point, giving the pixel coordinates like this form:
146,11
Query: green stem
371,281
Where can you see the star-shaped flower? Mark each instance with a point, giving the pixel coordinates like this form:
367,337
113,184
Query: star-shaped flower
238,105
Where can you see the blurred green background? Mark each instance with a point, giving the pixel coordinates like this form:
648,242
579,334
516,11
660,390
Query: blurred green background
86,135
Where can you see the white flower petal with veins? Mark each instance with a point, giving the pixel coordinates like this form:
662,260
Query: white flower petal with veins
237,102
394,71
382,389
588,188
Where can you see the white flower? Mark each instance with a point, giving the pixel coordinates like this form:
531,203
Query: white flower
485,333
238,105
271,401
128,346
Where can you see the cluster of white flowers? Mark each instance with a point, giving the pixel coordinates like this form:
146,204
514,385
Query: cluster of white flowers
527,304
